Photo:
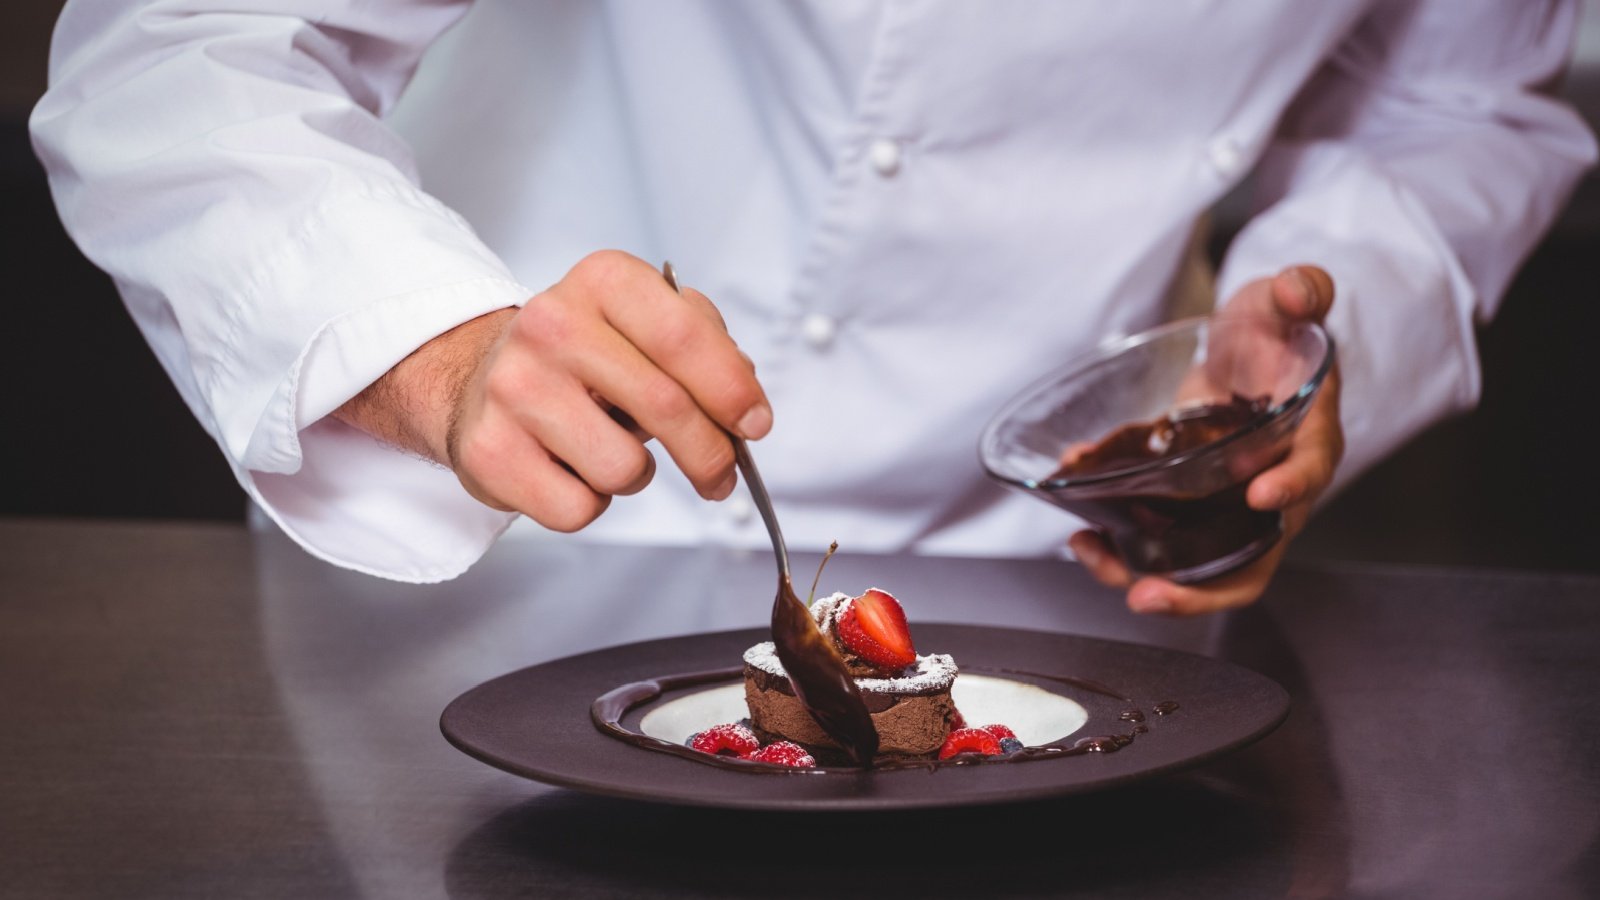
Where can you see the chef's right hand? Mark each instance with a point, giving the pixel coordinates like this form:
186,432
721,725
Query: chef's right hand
545,409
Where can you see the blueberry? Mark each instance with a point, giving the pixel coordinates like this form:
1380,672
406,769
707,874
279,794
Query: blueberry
1009,746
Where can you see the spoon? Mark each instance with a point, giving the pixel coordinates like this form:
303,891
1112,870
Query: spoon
816,671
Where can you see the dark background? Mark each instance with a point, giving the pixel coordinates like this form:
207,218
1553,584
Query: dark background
96,429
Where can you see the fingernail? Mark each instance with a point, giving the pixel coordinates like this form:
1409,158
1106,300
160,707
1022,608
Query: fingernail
1087,553
1307,288
756,423
1150,604
726,487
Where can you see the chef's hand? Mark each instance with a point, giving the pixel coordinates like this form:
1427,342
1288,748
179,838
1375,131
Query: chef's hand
545,410
1292,486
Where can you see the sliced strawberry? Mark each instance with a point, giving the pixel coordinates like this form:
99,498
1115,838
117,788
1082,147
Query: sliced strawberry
734,739
873,627
1000,732
969,740
783,753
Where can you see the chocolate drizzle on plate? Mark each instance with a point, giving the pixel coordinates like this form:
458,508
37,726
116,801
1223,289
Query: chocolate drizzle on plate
608,710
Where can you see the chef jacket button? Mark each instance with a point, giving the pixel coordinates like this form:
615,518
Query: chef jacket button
884,154
818,330
1227,156
740,510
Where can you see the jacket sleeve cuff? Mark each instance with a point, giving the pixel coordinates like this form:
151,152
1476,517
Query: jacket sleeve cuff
344,496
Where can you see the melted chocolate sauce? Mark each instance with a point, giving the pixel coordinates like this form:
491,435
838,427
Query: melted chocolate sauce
607,712
1174,434
1178,530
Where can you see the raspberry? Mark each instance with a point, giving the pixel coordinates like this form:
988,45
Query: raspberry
1000,732
957,720
783,753
732,739
965,740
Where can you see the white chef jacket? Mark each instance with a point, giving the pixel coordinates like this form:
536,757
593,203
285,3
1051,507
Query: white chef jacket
906,210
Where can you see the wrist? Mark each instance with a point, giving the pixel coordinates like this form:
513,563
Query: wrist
414,404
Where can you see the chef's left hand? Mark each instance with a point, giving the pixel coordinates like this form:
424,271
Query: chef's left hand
1292,486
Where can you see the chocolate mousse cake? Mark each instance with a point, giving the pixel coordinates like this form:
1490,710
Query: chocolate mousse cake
907,695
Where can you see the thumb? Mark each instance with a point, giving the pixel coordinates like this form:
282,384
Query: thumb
1303,292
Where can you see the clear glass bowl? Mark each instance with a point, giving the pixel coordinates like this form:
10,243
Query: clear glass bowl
1173,508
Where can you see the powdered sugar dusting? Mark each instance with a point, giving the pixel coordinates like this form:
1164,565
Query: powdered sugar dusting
934,672
826,611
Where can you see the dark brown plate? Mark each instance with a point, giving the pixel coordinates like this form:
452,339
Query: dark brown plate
535,723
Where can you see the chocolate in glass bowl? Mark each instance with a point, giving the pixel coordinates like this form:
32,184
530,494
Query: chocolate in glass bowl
1153,439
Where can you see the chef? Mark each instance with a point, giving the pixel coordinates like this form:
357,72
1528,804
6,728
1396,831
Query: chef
413,310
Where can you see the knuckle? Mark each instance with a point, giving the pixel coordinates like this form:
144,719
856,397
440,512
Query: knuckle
677,334
478,454
704,304
601,268
504,384
667,399
546,322
619,471
715,465
572,512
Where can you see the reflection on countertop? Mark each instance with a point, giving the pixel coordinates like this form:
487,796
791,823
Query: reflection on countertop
198,711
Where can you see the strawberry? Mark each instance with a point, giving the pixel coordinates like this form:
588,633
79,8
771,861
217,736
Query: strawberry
783,753
969,740
873,627
733,739
1000,732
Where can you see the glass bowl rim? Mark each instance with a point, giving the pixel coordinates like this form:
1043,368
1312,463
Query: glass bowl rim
1115,347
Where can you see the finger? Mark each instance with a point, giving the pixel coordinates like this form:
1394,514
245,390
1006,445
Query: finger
561,354
506,468
702,304
1158,596
1314,456
1303,292
1097,557
661,406
676,334
577,431
541,396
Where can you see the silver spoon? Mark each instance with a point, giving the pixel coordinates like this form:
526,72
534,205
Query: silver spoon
816,671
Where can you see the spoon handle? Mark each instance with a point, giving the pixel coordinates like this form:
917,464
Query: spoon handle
758,490
747,469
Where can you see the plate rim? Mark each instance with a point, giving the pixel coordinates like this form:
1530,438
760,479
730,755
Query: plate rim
756,801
